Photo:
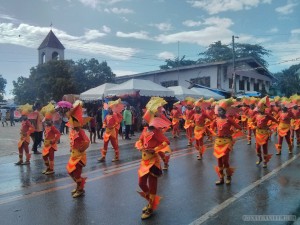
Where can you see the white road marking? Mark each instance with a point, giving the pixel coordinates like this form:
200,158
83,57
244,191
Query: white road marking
245,190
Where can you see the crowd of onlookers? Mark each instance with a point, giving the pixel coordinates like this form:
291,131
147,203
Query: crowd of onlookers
131,123
7,115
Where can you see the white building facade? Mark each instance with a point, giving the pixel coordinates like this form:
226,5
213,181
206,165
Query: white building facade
250,76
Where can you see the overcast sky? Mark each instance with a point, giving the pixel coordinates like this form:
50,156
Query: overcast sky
136,36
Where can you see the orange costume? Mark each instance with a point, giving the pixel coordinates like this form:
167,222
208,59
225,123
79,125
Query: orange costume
295,125
79,142
250,126
284,130
151,143
175,115
26,129
199,131
189,124
51,137
224,142
111,124
262,135
261,122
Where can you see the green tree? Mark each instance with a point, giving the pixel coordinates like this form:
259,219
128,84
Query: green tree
52,80
90,73
216,52
23,91
3,83
176,63
219,52
288,81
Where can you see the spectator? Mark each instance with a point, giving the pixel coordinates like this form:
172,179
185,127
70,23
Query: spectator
92,128
99,122
12,116
127,119
38,126
3,117
134,119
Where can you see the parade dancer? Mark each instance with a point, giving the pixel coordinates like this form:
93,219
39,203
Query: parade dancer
250,114
51,137
26,129
111,124
151,142
79,142
200,129
295,123
175,115
188,117
284,127
224,141
262,131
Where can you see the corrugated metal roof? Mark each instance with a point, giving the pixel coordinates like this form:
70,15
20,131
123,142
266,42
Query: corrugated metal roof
51,41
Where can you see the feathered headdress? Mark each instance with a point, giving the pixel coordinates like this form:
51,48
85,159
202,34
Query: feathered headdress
25,109
116,106
48,110
225,103
189,101
253,100
151,116
263,103
75,117
295,99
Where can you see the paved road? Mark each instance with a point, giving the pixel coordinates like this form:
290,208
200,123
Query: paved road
188,190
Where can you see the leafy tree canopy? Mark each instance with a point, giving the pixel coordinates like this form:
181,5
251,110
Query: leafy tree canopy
3,83
219,52
177,63
288,82
52,80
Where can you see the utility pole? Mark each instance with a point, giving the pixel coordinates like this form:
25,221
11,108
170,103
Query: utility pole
233,66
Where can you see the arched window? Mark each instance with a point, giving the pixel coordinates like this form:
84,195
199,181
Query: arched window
43,58
55,56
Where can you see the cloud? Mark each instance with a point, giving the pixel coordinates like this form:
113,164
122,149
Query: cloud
286,9
106,29
138,35
273,30
216,29
96,3
121,11
191,23
7,17
217,6
31,36
166,55
286,53
93,34
90,3
163,26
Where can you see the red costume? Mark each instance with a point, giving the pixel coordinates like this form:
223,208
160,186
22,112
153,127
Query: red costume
151,143
295,125
175,115
284,130
189,124
51,137
79,142
250,126
224,142
26,129
199,131
111,124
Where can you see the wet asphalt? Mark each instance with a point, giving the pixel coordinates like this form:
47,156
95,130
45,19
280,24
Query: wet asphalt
188,190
